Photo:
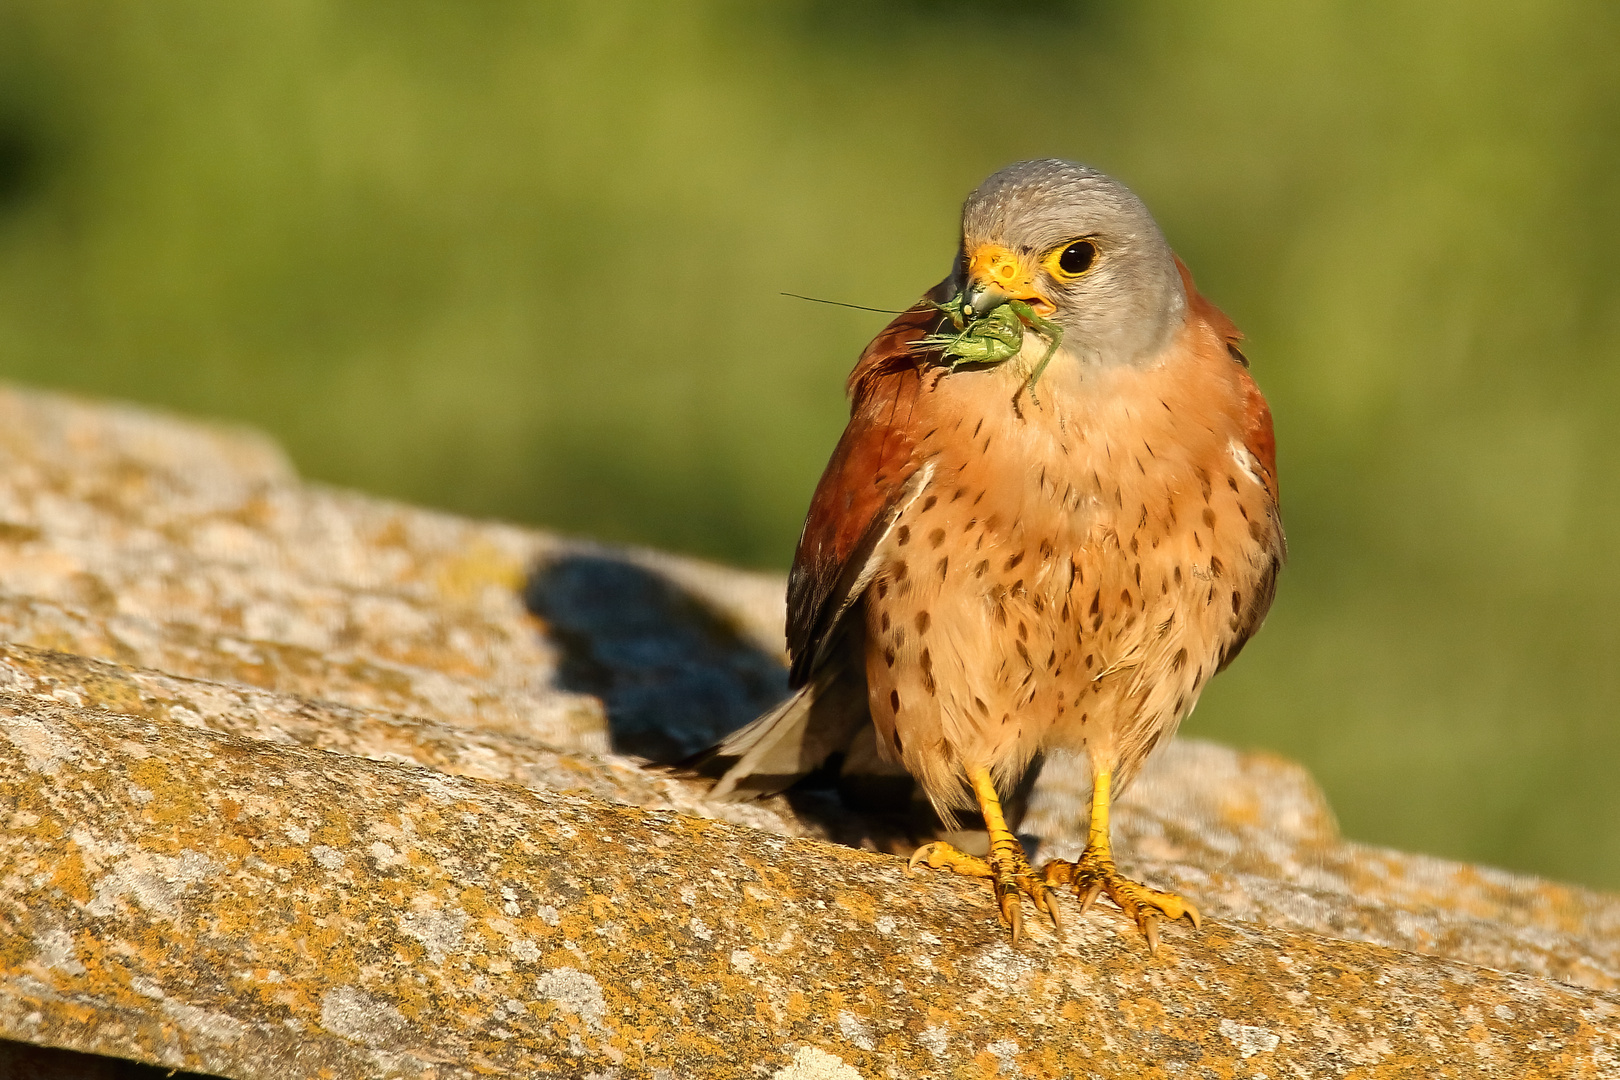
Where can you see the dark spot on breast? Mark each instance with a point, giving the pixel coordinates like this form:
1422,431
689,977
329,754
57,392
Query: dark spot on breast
1181,704
928,503
1089,659
1023,631
1006,718
1216,566
936,538
888,657
978,571
992,522
883,623
944,565
1198,541
958,494
1038,602
978,703
1084,717
895,736
1052,659
894,701
1244,510
1204,485
1096,602
1138,575
923,620
926,660
899,637
1046,550
977,426
902,536
882,588
1063,616
1125,597
1209,517
1255,531
1237,601
1136,545
1231,482
898,570
1178,575
1177,660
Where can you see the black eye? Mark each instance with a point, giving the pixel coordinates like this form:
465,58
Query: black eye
1077,257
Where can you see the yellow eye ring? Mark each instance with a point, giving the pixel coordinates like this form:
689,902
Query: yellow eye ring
1072,260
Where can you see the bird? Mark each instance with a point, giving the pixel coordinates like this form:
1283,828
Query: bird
1048,544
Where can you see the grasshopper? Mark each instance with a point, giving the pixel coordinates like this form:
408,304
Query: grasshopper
994,337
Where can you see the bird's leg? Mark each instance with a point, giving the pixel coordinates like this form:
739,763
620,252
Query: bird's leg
1007,868
1094,873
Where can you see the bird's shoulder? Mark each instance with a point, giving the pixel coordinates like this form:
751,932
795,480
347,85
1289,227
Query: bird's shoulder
1254,417
872,468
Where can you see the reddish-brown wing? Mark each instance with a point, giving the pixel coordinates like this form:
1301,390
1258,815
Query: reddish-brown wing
1257,435
1261,442
861,490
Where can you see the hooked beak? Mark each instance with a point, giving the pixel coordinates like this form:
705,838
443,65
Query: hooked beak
997,275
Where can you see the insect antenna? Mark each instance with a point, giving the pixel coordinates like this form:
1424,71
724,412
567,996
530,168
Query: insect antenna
840,303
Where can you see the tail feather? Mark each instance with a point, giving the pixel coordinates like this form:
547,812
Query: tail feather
787,743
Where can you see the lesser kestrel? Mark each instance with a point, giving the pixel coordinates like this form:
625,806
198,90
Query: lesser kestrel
1003,559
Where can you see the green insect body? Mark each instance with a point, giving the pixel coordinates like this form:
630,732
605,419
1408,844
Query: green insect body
994,337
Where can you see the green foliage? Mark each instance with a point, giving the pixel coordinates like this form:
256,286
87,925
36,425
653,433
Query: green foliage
523,260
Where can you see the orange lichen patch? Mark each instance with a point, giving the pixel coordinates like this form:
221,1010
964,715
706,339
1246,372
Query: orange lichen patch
466,573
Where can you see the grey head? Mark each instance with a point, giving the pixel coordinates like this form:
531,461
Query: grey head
1082,250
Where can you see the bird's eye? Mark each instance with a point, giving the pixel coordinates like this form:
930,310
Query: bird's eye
1077,258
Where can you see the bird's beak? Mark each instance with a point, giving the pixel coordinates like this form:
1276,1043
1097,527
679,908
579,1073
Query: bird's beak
996,275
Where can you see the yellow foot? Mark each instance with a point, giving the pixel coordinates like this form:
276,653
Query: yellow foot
1095,874
1009,872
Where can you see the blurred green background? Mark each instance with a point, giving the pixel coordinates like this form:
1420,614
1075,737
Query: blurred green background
524,260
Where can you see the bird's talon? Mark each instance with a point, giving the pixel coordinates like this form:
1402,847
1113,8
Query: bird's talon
1094,874
1089,898
1012,878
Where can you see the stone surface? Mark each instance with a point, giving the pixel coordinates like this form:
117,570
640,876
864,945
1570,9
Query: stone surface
266,911
236,833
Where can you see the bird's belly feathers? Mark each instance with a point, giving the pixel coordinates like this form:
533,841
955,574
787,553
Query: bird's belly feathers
1065,579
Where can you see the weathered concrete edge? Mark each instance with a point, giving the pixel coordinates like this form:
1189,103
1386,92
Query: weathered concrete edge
855,937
